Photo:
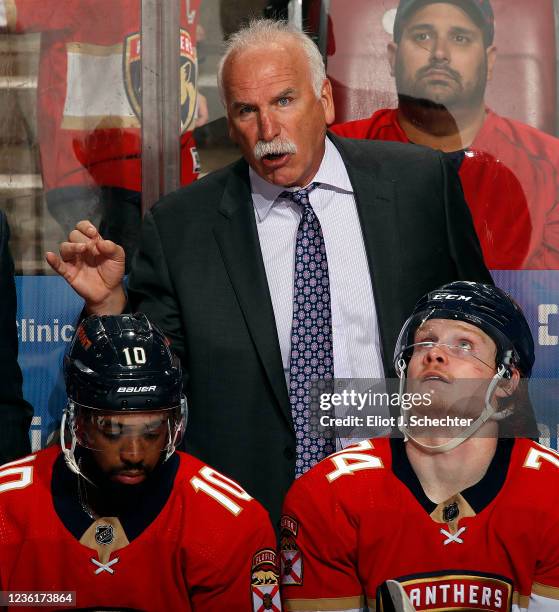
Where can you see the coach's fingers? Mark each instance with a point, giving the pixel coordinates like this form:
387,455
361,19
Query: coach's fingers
78,236
70,250
87,229
56,263
110,249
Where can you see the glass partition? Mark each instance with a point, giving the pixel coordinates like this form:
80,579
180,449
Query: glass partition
479,84
76,144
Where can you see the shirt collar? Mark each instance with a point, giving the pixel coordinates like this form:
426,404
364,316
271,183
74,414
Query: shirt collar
331,173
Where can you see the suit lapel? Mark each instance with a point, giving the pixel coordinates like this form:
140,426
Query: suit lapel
377,209
237,238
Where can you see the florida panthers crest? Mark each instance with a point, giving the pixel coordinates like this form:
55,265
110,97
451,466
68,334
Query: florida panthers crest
188,75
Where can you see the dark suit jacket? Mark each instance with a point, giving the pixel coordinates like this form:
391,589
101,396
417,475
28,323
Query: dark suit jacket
15,412
200,275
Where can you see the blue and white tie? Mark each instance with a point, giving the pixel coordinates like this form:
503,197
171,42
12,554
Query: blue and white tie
312,357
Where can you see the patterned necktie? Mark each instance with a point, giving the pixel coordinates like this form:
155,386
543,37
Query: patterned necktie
311,357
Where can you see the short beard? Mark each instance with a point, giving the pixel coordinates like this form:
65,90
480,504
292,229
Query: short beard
278,146
411,92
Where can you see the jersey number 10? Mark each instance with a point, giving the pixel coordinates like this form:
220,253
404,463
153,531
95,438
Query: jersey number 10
16,475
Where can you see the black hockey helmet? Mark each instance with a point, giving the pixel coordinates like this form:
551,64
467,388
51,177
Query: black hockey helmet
122,363
486,307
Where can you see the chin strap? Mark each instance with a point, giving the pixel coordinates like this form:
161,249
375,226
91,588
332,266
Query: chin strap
69,456
175,437
489,412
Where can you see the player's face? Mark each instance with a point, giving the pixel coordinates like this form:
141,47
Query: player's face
128,447
272,106
451,350
453,361
442,58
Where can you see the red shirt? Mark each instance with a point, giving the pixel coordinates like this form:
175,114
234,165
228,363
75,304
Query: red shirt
88,96
210,548
510,181
360,517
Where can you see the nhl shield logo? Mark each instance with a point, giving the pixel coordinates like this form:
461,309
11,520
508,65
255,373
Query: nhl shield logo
104,534
187,77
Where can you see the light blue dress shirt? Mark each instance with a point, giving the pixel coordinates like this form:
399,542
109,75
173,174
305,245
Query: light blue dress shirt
356,341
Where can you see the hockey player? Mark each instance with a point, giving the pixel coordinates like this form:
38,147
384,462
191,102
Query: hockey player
442,57
118,516
460,523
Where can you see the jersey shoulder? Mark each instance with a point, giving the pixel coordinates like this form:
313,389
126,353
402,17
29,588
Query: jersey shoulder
348,473
535,465
209,493
28,475
25,490
220,518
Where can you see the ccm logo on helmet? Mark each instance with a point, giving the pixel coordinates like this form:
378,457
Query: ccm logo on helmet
446,296
136,389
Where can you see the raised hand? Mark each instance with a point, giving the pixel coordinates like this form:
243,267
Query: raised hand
93,267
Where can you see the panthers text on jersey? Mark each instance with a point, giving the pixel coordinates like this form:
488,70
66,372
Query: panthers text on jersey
194,541
361,518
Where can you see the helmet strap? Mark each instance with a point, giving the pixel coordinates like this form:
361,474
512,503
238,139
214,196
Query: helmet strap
175,434
488,412
69,453
401,372
170,446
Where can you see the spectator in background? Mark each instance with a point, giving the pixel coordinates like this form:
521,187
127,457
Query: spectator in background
89,114
442,57
15,412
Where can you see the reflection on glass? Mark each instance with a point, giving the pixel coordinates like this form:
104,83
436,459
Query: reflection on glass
88,110
468,84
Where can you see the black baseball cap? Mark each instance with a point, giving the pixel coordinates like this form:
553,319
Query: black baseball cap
479,10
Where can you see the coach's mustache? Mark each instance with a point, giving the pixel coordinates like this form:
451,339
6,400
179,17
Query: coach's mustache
278,146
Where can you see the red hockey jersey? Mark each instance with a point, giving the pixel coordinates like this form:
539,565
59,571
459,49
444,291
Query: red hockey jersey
88,97
210,548
510,177
360,518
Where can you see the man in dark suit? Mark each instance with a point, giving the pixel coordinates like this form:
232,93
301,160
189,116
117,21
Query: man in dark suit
215,268
15,412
